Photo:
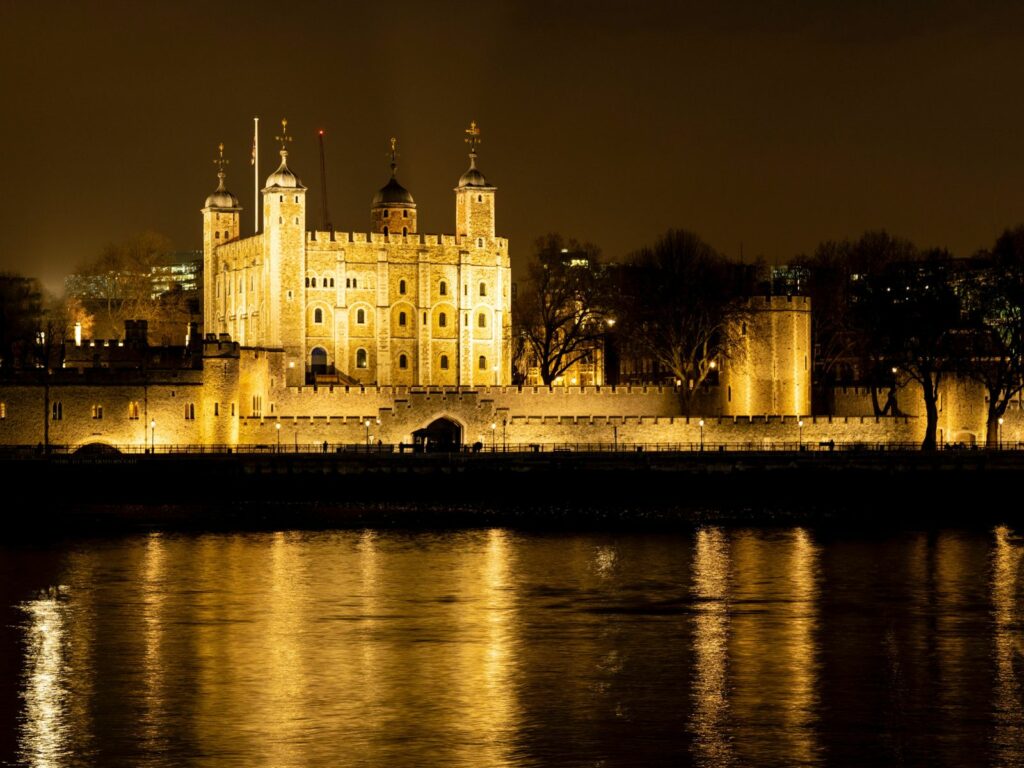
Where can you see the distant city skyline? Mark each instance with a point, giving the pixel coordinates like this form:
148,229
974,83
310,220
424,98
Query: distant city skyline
771,128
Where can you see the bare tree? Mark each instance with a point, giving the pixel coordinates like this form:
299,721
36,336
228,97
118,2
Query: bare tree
679,305
559,313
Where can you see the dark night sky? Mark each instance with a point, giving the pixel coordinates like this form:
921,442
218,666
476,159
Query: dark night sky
775,125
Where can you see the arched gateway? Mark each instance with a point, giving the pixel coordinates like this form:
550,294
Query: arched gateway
441,434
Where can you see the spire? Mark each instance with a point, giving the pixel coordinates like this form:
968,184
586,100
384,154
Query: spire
394,156
473,139
220,161
284,138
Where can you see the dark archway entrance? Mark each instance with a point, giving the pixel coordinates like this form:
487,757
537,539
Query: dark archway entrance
318,361
440,435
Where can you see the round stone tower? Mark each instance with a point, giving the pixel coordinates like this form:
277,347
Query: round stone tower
221,221
393,210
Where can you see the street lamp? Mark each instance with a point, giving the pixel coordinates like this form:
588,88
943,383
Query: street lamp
277,426
152,436
701,422
367,425
494,427
495,375
999,434
504,437
800,425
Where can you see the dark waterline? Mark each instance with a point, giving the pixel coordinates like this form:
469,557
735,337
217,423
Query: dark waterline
718,647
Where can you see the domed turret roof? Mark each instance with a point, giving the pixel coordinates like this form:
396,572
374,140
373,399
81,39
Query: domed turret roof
393,193
472,177
221,198
283,176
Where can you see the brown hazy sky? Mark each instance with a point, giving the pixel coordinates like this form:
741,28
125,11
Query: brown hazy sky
775,125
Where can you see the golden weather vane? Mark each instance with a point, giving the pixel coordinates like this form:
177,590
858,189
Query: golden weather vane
394,151
473,137
284,138
220,161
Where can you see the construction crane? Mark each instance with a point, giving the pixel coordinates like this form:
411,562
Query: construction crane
325,217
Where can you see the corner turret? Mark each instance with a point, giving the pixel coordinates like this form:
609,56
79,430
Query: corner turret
221,222
474,200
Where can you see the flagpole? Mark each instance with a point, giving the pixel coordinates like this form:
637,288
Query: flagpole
256,174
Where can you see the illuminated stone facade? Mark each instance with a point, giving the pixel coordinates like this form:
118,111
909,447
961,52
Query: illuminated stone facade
388,307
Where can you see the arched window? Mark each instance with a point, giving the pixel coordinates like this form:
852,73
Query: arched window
57,411
190,411
318,315
405,213
385,214
442,288
312,282
97,411
401,287
479,198
482,363
481,320
442,320
483,289
361,316
444,362
403,361
133,410
332,282
307,282
401,318
479,242
360,358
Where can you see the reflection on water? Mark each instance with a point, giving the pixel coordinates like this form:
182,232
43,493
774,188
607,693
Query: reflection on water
491,648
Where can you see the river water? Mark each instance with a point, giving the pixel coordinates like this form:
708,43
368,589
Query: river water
720,647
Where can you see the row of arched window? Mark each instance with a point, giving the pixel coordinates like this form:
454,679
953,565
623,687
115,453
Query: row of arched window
403,318
362,361
351,282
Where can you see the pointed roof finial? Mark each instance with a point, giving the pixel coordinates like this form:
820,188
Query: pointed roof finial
394,156
284,138
220,161
473,139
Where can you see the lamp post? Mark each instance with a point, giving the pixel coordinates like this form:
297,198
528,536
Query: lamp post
494,427
367,425
701,422
277,426
800,426
504,436
495,375
999,434
152,436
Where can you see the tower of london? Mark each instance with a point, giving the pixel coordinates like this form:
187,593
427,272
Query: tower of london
392,306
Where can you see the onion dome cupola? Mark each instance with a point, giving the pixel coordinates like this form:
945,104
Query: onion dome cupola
283,178
221,197
474,199
393,210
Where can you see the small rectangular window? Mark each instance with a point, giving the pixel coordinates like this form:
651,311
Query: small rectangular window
97,411
3,410
216,409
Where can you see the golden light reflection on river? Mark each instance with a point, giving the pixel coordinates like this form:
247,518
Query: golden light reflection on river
1009,645
711,648
505,650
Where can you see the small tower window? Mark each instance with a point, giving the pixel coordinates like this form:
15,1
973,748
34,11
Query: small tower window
405,231
403,362
479,242
360,358
442,289
405,214
361,316
312,282
444,362
401,287
479,198
307,282
56,411
296,198
217,234
190,411
743,330
353,282
133,410
332,282
481,320
97,411
226,235
281,198
318,316
442,320
482,363
483,289
386,233
401,319
385,214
